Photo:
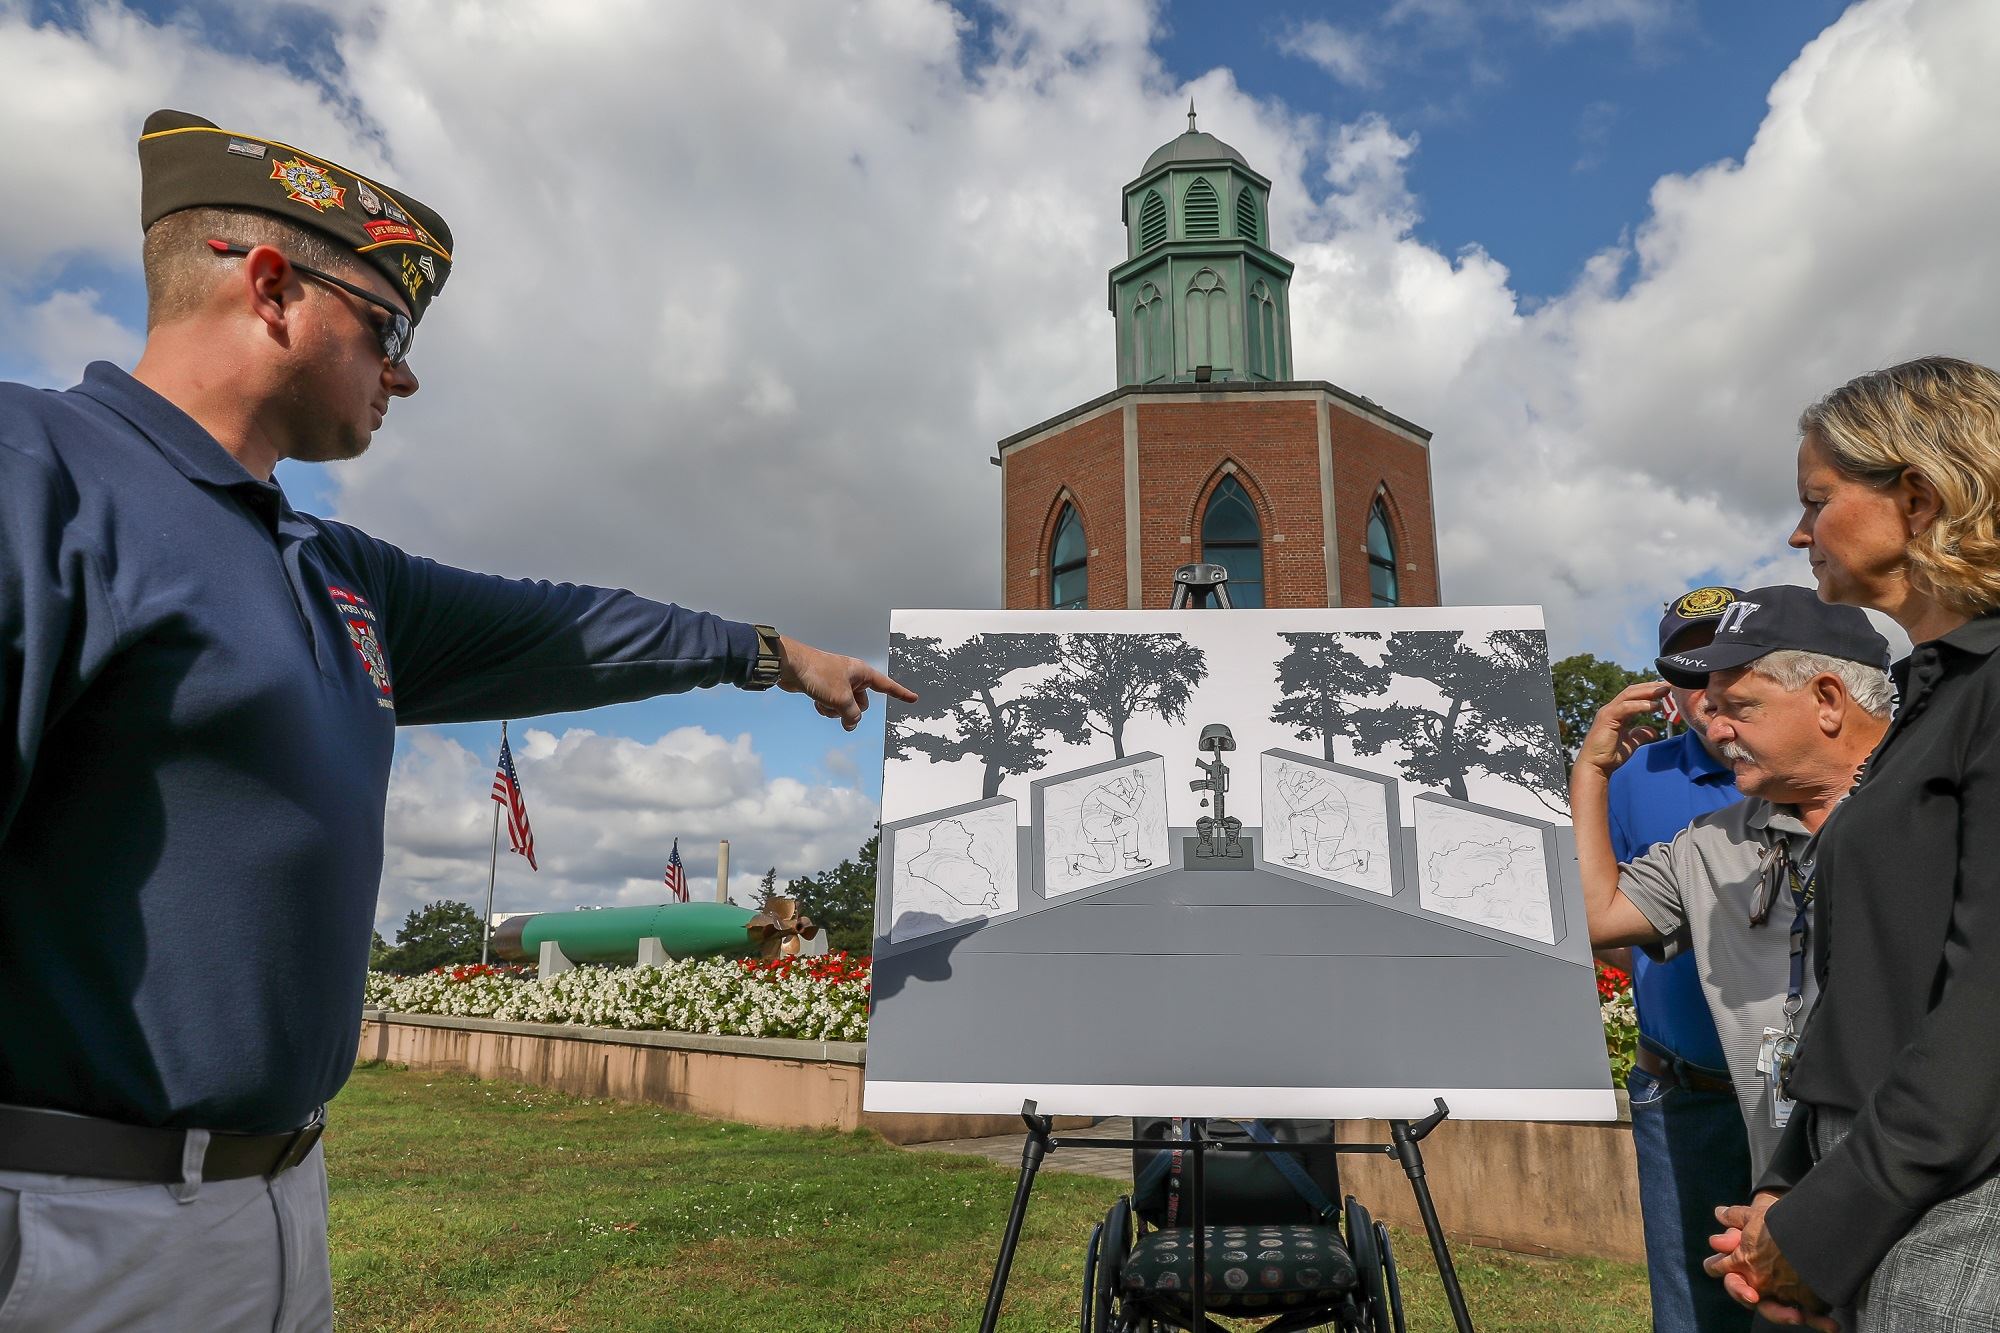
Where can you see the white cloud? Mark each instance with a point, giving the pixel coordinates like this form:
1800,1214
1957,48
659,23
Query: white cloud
64,332
1350,57
746,292
605,810
1566,18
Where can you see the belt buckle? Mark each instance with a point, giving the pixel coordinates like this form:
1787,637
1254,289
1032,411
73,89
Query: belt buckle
302,1144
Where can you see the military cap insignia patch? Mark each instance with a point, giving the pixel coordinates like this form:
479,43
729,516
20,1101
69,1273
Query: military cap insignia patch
383,231
309,184
188,162
1703,602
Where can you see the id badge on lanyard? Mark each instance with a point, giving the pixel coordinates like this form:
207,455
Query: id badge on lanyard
1778,1052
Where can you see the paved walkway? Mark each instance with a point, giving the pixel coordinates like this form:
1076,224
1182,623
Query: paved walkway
1111,1163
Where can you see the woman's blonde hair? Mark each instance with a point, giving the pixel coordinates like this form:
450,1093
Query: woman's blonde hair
1940,417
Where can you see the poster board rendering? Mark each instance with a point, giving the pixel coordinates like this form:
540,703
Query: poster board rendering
1363,907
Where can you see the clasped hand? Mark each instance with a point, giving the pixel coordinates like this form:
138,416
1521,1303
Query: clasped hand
1756,1274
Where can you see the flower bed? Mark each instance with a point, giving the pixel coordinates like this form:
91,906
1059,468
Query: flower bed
1621,1020
814,999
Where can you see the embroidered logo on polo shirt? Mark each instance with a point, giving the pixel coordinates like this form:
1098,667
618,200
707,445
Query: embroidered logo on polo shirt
360,622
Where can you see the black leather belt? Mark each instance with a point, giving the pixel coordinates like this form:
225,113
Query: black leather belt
74,1145
1671,1073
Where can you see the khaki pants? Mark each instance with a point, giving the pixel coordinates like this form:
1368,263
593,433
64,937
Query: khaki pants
79,1255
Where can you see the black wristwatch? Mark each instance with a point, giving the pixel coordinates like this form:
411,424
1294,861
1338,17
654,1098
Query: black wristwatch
770,663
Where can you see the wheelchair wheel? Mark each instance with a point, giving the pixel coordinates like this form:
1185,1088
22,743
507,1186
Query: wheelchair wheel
1090,1278
1113,1241
1364,1247
1389,1272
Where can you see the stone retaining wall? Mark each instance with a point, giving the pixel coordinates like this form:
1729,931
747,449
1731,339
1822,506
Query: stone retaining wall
1539,1187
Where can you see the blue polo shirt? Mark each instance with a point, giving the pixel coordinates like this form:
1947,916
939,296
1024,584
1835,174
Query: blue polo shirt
199,690
1661,790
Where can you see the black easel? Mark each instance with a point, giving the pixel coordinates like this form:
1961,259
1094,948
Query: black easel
1404,1136
1196,584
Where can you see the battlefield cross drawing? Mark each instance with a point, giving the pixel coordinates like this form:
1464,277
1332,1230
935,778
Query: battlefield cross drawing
1274,862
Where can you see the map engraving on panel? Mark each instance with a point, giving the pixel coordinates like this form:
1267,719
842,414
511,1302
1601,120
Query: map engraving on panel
1484,868
956,868
1328,821
1106,825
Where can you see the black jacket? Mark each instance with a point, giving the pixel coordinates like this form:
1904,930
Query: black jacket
1908,959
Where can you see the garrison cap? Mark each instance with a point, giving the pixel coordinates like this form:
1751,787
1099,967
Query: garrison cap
188,162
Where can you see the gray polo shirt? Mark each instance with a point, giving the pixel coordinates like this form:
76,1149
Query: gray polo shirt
1696,891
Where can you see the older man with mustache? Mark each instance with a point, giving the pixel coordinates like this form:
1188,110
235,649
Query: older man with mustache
1800,695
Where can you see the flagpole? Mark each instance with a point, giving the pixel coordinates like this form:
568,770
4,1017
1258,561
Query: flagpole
492,870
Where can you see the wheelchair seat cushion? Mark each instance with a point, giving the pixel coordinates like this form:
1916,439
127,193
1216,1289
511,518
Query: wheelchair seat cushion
1249,1268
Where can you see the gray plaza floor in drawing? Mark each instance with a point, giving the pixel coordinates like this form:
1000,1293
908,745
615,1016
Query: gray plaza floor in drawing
1248,993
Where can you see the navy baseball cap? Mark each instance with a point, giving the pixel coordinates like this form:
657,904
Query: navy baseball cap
1702,606
1778,619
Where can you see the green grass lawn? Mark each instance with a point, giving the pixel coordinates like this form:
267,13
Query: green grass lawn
459,1204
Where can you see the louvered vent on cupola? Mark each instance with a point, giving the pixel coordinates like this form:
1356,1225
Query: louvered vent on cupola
1152,220
1201,211
1246,214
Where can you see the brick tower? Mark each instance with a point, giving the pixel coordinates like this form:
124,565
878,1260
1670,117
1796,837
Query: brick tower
1208,449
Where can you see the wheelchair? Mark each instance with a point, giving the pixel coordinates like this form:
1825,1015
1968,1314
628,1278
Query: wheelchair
1279,1250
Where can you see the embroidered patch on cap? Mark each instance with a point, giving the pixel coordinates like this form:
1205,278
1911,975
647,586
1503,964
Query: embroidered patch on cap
308,184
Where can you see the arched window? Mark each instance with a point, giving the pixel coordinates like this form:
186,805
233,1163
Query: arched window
1149,341
1381,558
1230,538
1208,321
1069,563
1263,331
1246,214
1152,220
1201,214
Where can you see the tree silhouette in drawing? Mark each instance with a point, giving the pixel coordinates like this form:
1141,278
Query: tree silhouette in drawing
1108,679
1497,719
1319,682
965,685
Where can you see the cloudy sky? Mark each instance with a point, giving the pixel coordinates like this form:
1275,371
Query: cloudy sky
745,294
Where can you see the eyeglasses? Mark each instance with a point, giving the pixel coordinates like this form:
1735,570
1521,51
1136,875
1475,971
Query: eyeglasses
395,336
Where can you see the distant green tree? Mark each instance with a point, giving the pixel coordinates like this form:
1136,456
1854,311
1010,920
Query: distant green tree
378,949
767,890
841,901
440,934
1585,684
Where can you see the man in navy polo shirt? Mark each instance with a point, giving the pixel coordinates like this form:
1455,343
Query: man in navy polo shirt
199,690
1686,1126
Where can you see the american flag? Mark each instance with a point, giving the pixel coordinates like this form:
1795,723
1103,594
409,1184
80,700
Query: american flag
507,791
676,877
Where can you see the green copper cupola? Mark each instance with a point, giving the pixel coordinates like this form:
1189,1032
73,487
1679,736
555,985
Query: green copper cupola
1200,295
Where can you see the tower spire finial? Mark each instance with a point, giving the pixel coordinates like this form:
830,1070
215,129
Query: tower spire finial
1190,114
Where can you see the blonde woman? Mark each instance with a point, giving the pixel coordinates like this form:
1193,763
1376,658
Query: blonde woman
1884,1199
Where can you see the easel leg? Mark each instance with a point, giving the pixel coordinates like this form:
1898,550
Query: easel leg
1412,1158
1032,1152
1198,1288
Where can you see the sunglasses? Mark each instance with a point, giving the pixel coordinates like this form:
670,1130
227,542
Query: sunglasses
395,336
